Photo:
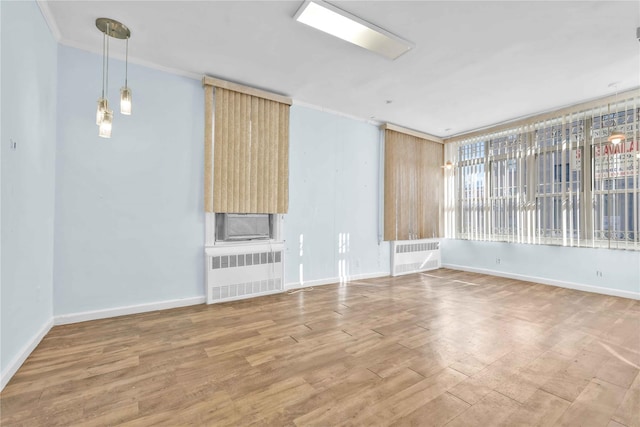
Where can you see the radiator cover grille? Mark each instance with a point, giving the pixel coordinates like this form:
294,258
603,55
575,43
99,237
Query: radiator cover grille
412,256
244,271
241,260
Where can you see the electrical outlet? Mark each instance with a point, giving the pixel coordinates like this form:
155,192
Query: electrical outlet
497,260
13,145
598,273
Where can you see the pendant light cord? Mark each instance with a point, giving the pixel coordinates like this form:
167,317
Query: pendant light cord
104,41
107,78
126,63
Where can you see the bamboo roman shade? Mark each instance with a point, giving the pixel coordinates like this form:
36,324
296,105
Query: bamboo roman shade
413,186
246,149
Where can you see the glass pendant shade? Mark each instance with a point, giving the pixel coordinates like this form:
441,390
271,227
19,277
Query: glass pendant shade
103,105
125,101
105,125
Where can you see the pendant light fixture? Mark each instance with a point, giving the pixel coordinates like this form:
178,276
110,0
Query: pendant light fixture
104,116
103,104
125,92
616,137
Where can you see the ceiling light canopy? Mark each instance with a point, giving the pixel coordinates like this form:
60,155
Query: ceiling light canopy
332,20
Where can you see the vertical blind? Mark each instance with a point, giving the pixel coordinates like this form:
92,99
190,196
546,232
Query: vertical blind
554,180
412,186
249,172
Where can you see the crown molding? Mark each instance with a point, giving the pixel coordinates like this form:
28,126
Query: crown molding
43,5
335,112
48,17
133,60
412,132
546,115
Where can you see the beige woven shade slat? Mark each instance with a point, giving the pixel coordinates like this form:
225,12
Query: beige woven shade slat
250,144
413,187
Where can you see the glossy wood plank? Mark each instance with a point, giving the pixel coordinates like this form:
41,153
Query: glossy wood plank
440,348
490,411
595,406
628,412
541,409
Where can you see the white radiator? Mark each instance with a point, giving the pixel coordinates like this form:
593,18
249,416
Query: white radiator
412,256
244,271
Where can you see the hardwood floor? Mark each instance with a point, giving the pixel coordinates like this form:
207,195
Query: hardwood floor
443,348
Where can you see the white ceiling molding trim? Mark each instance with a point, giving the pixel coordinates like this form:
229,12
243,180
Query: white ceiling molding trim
548,114
417,134
133,60
371,121
45,10
49,19
471,79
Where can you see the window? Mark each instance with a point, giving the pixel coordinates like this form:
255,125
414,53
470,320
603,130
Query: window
471,190
552,181
615,170
246,149
412,185
507,175
558,165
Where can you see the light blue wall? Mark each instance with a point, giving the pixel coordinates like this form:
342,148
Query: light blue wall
620,269
28,176
333,190
129,210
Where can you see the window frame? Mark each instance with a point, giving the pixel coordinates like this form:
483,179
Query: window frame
516,209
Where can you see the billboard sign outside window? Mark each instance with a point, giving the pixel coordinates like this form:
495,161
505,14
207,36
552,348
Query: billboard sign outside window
616,161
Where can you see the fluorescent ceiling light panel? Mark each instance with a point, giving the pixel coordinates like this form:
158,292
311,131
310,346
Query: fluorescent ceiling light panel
332,20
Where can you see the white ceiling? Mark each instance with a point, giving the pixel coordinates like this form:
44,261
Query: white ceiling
475,63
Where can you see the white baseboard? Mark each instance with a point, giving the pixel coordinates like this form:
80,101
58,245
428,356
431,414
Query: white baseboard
550,282
243,297
17,361
332,280
84,316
